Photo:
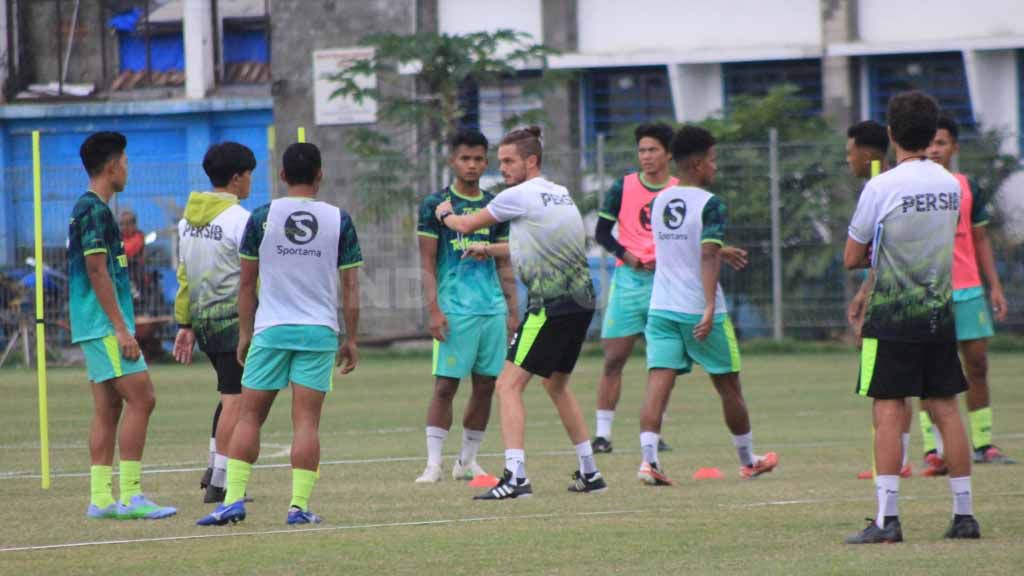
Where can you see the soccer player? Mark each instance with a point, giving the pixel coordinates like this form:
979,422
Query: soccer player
867,143
909,217
972,252
548,248
206,307
628,206
103,324
469,301
293,252
688,321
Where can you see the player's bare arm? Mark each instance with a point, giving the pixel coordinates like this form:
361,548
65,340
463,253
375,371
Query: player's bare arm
987,266
855,257
710,270
465,223
348,352
246,305
428,278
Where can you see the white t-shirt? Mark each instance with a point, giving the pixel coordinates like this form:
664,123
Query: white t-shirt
682,220
548,246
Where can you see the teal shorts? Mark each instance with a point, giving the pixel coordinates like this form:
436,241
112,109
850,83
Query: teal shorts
628,301
473,345
304,355
973,319
103,360
671,345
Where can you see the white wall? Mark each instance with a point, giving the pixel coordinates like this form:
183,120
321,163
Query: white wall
611,26
906,21
992,78
464,16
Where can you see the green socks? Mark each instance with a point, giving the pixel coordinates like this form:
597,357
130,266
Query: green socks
131,479
238,478
981,427
927,435
101,486
302,487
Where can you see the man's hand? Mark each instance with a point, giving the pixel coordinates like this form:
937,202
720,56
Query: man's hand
128,345
184,342
735,258
511,325
349,354
438,325
477,252
650,266
703,328
243,348
442,208
632,261
855,312
999,305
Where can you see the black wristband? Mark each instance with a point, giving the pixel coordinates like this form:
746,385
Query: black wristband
445,215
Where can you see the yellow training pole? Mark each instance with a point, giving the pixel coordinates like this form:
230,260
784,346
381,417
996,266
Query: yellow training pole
44,422
876,168
302,133
271,146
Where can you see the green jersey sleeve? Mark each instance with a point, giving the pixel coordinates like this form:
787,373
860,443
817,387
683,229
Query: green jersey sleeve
349,254
427,224
713,220
253,235
979,209
94,229
612,202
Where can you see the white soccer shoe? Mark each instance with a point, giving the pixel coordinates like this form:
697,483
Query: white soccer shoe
430,475
466,472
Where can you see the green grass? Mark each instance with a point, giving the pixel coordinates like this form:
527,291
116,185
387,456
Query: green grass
802,406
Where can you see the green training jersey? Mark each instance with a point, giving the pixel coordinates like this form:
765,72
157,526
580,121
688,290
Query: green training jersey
465,286
93,230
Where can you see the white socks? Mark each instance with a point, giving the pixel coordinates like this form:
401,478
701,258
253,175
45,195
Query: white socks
744,444
213,452
515,461
887,489
649,446
471,440
962,499
435,442
906,447
220,470
585,454
604,423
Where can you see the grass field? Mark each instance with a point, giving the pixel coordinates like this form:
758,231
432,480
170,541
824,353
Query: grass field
378,522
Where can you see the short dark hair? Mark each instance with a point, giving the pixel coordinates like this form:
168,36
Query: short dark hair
100,148
869,134
913,118
301,163
527,141
660,132
222,161
467,137
949,124
691,140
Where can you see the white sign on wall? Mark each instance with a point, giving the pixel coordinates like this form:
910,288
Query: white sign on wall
341,110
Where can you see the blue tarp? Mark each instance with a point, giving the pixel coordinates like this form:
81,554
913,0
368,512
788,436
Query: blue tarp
245,46
125,21
167,52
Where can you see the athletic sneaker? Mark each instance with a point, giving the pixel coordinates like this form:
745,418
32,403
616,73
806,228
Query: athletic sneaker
430,475
587,483
963,527
142,508
98,513
297,515
905,472
651,475
991,455
872,534
505,490
465,472
934,465
601,445
662,447
762,465
234,512
206,479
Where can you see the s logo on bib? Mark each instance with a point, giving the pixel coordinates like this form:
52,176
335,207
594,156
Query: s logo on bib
301,228
674,214
645,216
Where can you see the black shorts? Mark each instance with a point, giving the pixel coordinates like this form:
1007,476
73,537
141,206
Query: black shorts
891,370
229,372
544,345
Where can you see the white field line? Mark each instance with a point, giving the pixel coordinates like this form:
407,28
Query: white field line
319,529
768,503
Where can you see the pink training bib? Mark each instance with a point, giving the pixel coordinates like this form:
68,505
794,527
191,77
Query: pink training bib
634,217
965,261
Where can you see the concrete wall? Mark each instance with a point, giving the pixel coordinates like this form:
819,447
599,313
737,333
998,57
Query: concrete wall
888,21
463,16
39,30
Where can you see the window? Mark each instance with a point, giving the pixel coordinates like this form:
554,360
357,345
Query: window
757,78
940,74
617,98
489,106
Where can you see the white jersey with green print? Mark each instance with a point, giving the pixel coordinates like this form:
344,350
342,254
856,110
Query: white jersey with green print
683,220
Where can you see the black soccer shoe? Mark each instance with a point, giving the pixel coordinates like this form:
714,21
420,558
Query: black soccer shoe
587,483
963,527
872,534
601,445
662,447
506,491
206,479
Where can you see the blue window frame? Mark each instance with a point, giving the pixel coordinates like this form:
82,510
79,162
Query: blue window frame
757,78
616,98
940,74
487,107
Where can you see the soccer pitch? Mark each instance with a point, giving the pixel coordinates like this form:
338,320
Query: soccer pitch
376,521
